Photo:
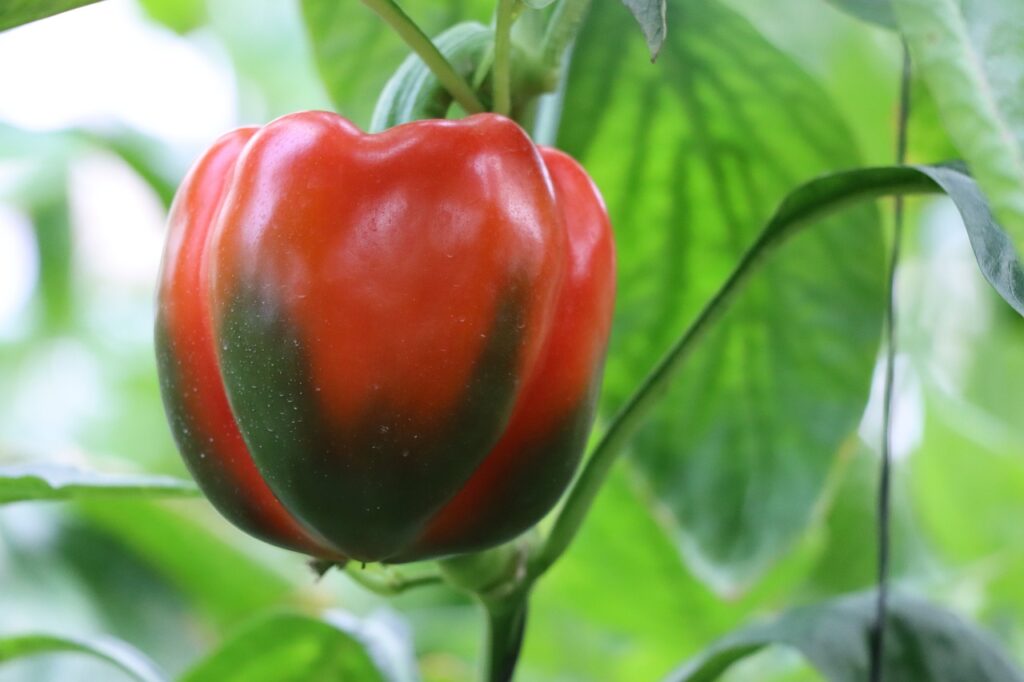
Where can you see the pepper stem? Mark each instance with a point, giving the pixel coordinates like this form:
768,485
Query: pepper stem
506,624
422,45
504,18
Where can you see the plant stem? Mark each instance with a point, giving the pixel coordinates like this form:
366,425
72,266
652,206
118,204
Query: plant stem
506,625
885,475
562,30
387,581
785,223
418,41
503,21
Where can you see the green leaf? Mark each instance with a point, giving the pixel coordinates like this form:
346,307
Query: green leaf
877,12
923,642
290,648
17,12
692,154
111,650
356,52
650,14
971,55
19,483
181,16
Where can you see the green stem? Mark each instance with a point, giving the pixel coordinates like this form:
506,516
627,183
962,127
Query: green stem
562,30
786,222
418,41
506,625
503,56
387,581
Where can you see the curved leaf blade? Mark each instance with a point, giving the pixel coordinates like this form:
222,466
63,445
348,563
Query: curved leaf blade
996,255
972,58
24,482
114,651
923,642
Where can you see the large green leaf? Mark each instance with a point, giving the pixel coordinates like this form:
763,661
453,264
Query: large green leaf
971,55
289,648
874,11
111,650
356,52
922,643
19,483
17,12
692,155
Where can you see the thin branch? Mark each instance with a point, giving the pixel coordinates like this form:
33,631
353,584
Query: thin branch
504,19
885,475
387,581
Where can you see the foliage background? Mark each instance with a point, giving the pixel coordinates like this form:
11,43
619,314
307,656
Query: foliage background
750,491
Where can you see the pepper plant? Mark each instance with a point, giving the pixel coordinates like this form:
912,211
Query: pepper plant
384,333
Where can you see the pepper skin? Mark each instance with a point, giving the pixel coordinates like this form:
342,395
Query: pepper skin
384,347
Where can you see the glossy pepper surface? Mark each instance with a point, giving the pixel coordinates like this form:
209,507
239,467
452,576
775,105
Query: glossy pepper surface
384,347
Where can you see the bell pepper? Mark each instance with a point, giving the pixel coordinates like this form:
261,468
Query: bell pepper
384,347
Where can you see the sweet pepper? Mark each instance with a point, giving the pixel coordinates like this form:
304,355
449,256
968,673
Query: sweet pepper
385,347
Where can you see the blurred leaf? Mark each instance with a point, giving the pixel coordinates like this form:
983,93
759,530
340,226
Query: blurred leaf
181,16
650,14
17,12
53,150
972,57
114,651
113,579
19,483
877,12
145,155
692,154
848,559
288,648
987,477
356,52
226,583
269,50
922,643
51,221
